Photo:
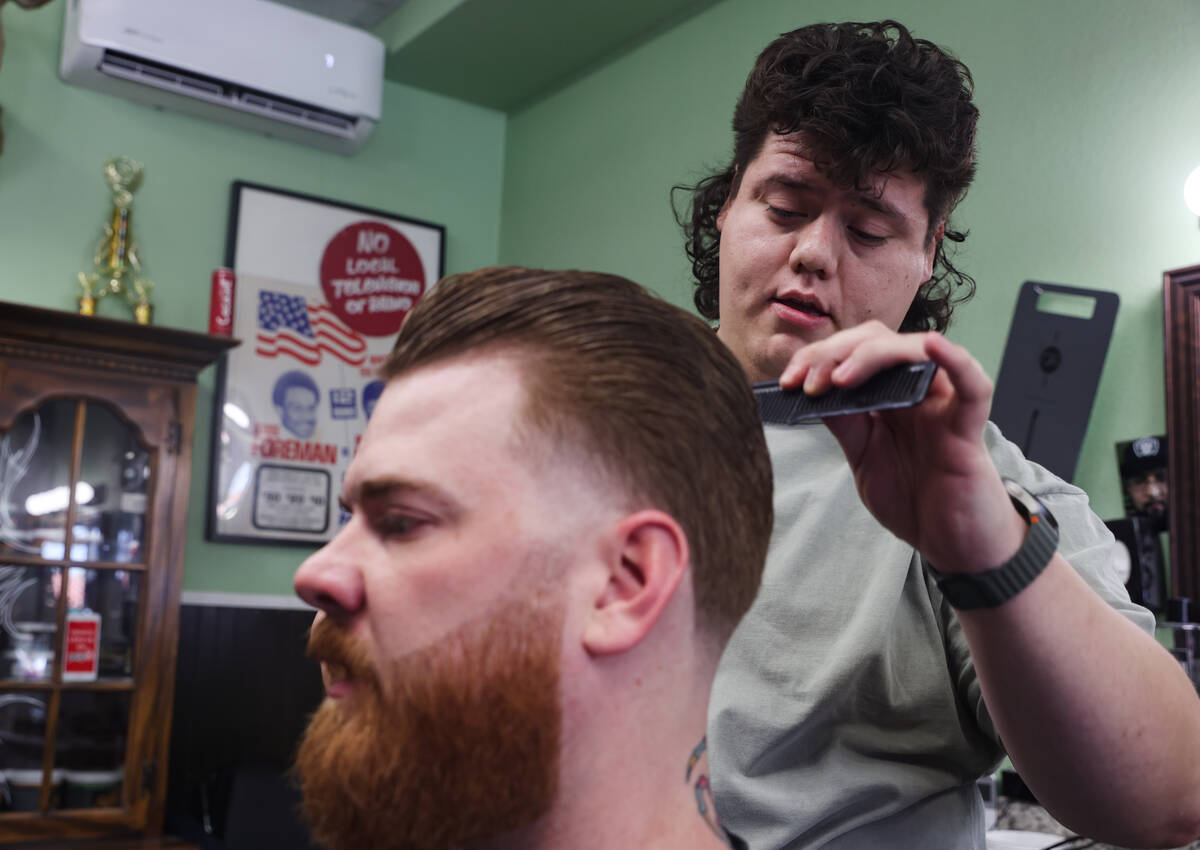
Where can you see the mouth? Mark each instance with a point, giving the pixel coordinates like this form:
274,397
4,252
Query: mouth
336,679
804,303
801,309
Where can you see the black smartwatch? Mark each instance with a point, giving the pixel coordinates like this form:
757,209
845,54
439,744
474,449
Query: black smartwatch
990,588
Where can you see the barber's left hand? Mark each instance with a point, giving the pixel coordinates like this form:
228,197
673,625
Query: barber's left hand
924,472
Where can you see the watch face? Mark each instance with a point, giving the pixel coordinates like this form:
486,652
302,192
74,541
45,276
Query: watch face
1022,497
1031,508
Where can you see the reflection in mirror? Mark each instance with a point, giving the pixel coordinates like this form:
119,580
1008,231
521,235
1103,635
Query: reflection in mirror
115,467
35,476
28,604
90,749
22,739
112,597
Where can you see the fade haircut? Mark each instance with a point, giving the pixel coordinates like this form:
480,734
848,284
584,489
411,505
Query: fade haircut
640,388
865,98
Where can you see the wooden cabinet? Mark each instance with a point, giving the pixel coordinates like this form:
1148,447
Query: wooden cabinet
96,424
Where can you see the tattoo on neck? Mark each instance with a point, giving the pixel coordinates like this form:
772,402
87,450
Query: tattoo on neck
703,790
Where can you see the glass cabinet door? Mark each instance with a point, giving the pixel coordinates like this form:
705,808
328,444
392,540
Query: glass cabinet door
75,483
35,477
22,743
114,471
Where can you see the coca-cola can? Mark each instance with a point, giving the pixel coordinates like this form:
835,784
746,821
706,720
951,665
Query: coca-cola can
220,309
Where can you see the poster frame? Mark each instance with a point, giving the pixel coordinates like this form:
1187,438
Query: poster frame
306,204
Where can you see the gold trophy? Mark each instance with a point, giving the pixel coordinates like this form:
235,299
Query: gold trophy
117,267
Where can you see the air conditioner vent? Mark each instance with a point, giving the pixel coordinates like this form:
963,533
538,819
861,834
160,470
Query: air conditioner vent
214,90
201,85
256,65
328,118
121,62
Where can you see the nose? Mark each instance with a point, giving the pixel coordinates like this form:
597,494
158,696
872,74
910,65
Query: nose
330,579
816,247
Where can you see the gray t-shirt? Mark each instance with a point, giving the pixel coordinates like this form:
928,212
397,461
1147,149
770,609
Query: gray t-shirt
846,712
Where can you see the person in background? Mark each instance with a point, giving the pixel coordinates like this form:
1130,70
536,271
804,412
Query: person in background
921,613
295,396
1144,477
560,510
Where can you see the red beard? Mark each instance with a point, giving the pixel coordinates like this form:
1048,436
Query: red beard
459,745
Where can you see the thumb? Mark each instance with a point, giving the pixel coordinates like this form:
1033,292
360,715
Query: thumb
852,431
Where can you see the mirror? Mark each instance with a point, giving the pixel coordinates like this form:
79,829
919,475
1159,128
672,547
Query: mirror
1181,344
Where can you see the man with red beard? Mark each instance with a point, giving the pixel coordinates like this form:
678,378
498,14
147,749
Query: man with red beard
559,512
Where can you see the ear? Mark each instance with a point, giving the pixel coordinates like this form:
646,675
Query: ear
645,565
931,251
728,200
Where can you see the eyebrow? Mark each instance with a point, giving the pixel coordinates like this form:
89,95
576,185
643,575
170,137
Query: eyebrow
386,485
879,205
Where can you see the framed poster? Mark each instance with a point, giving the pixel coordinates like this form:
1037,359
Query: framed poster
320,290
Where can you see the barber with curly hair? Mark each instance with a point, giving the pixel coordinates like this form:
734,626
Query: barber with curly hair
932,600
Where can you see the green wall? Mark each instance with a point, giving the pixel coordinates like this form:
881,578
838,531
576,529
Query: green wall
1090,109
430,158
1090,112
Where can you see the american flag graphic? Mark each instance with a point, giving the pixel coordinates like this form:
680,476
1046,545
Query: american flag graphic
289,325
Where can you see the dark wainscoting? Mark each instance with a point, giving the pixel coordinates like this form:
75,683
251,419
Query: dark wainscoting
243,693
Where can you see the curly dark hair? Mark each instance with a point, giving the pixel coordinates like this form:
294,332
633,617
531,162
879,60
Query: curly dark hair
867,98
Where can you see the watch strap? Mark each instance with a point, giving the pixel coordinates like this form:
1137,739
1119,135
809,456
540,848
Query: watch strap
994,587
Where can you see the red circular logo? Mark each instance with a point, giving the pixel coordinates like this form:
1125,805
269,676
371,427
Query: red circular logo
372,277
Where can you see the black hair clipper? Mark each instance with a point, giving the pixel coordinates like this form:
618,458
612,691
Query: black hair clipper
896,386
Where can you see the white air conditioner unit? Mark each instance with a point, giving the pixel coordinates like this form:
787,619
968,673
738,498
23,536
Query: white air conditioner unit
251,63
